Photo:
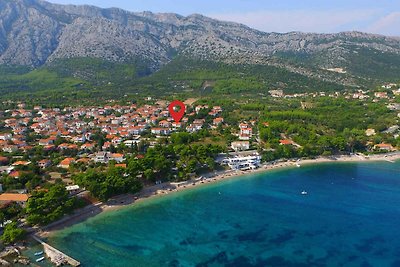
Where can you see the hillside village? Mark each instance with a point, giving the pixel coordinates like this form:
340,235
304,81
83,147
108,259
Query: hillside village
94,135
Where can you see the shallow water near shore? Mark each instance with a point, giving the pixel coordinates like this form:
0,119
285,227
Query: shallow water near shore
350,217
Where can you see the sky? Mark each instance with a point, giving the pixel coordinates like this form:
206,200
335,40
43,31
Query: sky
322,16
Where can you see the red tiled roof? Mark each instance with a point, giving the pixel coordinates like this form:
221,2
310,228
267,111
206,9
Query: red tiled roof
286,142
14,197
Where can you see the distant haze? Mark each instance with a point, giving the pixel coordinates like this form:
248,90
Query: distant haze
382,17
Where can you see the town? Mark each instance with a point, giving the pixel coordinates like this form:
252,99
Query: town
110,133
70,150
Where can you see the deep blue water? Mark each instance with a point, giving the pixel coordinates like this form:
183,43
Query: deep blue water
350,217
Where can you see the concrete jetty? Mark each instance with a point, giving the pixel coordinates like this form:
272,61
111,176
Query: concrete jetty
57,257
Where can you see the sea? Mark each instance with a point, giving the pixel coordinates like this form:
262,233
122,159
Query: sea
330,214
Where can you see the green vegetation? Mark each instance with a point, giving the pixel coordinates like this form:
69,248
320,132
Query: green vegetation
168,162
106,184
372,66
85,79
382,66
12,233
18,81
235,79
10,211
46,206
331,126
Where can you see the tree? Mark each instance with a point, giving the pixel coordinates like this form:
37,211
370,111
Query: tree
12,233
44,207
114,181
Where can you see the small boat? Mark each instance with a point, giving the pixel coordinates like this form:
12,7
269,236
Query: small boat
298,165
304,192
40,259
38,253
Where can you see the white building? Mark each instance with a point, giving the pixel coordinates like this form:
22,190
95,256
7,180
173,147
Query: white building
72,189
101,157
244,162
240,145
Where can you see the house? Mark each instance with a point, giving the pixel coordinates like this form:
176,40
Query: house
160,131
105,157
79,139
21,163
370,132
131,143
18,198
87,146
389,85
106,145
394,106
217,109
164,124
218,121
117,157
66,146
152,120
198,108
136,130
285,142
65,163
5,136
6,169
276,93
15,174
193,128
73,189
116,141
213,113
381,95
44,163
387,147
243,136
101,157
46,142
392,129
245,128
120,165
245,131
10,148
240,145
176,125
3,160
199,121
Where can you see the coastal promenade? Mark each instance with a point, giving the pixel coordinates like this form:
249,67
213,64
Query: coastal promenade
57,257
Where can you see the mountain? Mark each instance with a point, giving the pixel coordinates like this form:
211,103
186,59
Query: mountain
83,41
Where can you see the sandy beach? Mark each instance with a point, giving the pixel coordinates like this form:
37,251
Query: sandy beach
213,177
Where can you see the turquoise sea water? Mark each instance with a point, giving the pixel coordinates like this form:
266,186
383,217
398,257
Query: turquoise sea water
350,217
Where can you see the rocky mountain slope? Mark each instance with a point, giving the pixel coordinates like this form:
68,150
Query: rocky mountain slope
37,33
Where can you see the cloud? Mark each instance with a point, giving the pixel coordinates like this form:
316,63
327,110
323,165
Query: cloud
304,20
388,25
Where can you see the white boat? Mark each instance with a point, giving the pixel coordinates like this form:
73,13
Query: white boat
40,259
304,192
298,165
39,253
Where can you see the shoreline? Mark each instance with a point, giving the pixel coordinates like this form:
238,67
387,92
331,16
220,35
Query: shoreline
160,190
